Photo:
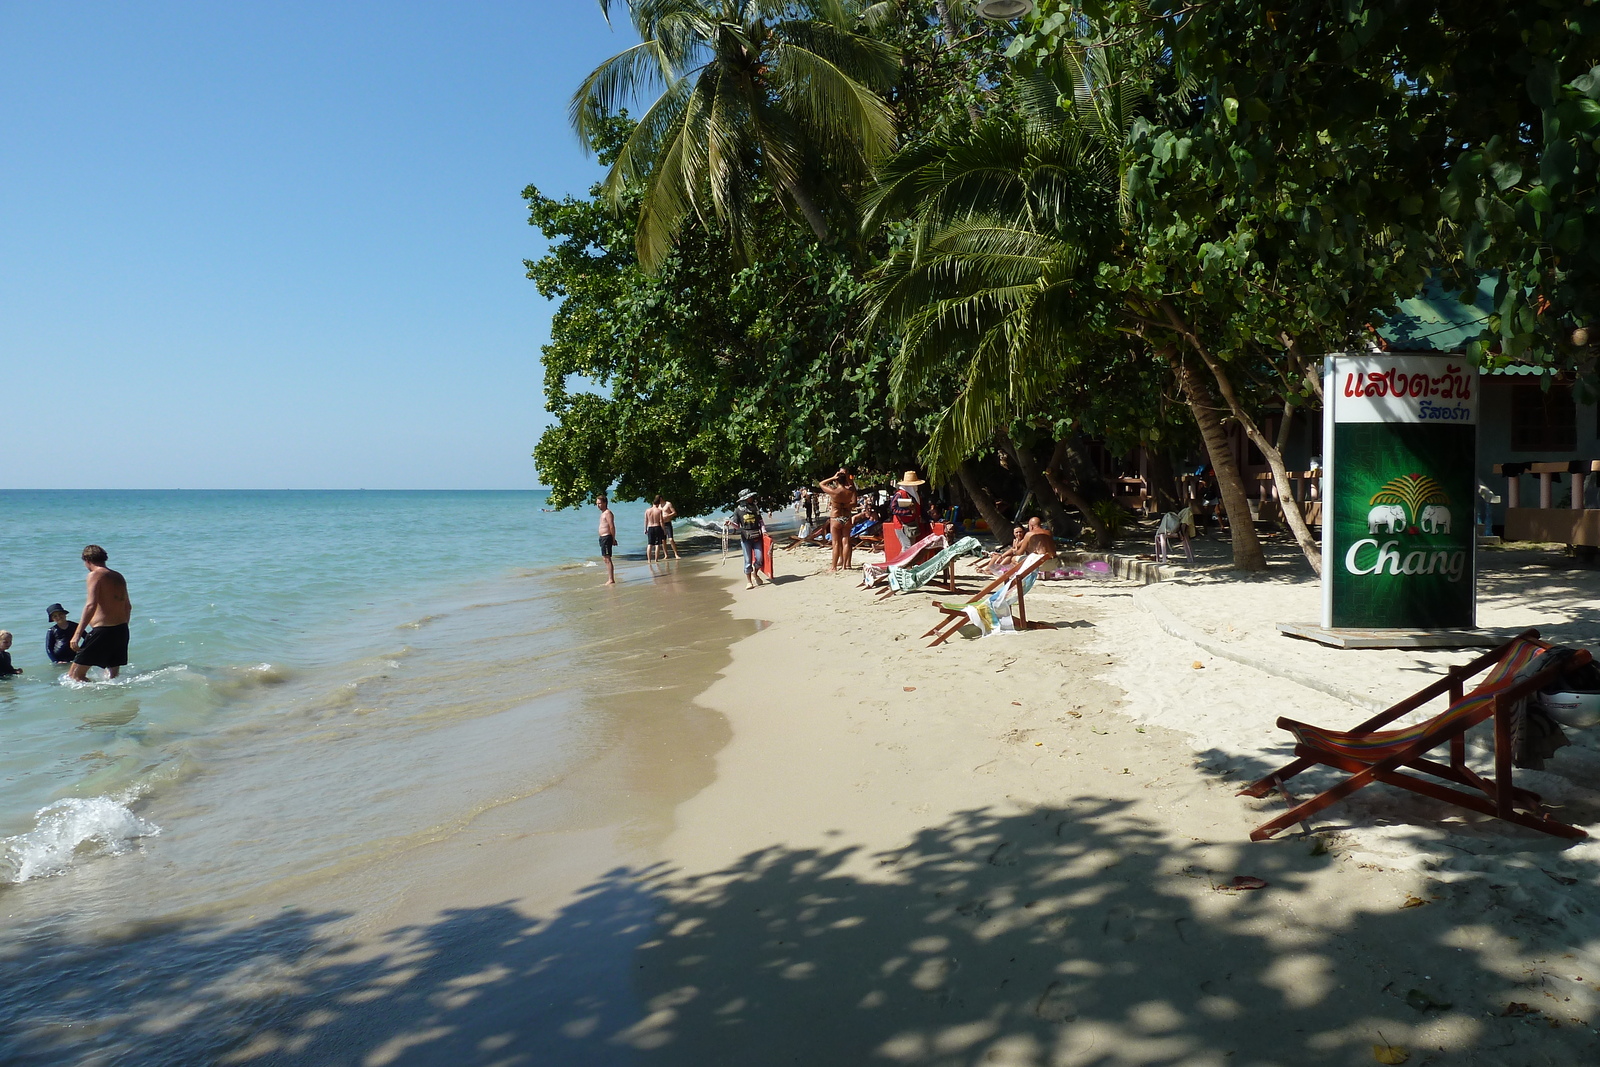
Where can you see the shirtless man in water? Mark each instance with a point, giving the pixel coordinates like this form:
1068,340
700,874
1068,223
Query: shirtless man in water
101,639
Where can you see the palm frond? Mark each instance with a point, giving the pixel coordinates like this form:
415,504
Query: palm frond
641,152
610,86
840,112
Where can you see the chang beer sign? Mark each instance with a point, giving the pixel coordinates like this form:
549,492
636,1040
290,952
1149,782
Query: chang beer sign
1399,468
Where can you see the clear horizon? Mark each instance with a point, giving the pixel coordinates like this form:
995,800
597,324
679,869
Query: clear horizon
280,247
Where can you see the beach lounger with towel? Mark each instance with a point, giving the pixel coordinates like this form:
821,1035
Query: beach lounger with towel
909,577
992,603
1516,671
875,572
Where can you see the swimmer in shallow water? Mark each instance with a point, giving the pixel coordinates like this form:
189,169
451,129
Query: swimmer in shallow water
6,669
58,638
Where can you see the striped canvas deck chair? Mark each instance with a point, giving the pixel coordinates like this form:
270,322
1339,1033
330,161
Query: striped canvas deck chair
937,567
1372,755
1014,584
875,572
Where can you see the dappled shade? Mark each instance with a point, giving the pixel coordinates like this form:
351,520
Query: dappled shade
1074,935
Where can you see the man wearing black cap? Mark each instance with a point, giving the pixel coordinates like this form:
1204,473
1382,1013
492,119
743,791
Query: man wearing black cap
58,639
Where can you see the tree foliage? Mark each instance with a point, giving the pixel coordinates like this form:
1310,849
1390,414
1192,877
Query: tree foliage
704,377
1113,204
754,95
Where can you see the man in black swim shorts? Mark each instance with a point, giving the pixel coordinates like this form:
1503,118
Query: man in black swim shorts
102,636
608,537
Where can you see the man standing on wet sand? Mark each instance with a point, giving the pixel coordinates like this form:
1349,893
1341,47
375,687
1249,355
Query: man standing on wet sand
668,513
841,490
101,639
608,537
655,538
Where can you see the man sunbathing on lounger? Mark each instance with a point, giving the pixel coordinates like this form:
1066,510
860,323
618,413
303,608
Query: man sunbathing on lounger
1037,541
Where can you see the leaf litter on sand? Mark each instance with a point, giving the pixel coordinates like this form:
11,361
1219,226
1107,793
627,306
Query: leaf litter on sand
1240,882
1390,1053
1422,1001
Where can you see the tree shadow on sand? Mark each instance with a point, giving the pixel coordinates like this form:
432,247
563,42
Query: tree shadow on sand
1083,934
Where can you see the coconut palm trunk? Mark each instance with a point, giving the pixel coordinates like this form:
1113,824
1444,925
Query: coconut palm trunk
807,206
1044,494
1247,554
1274,455
1072,498
983,500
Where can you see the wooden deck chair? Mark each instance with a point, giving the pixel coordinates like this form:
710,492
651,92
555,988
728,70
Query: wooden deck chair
1374,755
955,615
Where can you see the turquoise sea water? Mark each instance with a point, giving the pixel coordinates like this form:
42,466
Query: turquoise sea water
331,697
251,609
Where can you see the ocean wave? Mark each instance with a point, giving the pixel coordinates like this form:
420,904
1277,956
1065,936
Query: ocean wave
68,830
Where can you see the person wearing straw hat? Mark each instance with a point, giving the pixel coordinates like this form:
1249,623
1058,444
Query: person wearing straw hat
752,536
906,504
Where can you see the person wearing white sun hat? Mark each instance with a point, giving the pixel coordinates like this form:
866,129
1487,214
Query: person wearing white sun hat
907,506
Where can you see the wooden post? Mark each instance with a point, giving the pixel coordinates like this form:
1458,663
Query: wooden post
1544,489
1578,481
1513,490
1502,757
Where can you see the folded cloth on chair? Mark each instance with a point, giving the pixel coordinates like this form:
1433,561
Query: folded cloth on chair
1008,592
908,579
1535,736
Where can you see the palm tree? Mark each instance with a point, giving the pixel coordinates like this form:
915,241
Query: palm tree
751,91
1012,223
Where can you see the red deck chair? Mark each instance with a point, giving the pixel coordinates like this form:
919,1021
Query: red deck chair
1374,755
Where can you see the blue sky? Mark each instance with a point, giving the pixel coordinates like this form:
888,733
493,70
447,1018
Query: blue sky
279,244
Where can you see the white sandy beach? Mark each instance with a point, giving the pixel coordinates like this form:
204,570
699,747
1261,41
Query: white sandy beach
1065,800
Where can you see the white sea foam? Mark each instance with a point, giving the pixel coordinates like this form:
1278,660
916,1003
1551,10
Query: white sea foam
68,830
125,680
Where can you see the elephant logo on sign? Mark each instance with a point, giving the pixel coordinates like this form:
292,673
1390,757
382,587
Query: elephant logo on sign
1434,519
1392,515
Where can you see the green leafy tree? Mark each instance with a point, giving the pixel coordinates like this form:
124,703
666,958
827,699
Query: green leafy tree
703,378
1317,161
755,95
1019,222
